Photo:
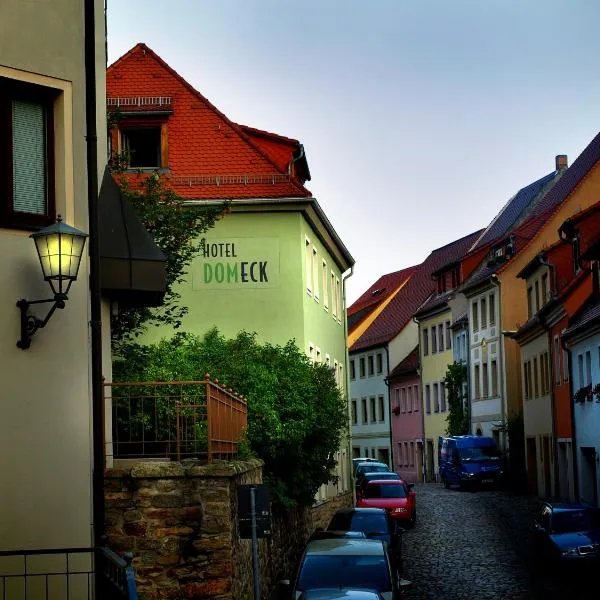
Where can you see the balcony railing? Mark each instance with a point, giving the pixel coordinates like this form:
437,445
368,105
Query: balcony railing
175,420
66,574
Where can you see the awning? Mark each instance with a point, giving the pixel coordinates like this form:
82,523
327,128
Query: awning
132,266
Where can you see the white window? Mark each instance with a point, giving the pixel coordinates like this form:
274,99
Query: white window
315,274
328,360
324,283
311,352
341,381
318,355
338,299
308,265
333,297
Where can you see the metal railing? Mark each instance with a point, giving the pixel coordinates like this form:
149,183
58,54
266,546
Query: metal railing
139,101
175,419
66,574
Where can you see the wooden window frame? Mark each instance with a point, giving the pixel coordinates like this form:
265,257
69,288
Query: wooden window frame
17,90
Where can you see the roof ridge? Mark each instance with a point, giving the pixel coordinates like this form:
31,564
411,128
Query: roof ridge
237,128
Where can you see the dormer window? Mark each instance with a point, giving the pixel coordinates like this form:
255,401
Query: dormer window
142,146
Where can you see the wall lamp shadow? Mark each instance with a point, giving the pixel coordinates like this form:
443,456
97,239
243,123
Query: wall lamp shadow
60,248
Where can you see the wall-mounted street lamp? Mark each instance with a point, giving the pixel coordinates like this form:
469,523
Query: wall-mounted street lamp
59,247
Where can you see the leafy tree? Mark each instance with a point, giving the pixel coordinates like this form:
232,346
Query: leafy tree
296,413
458,417
177,230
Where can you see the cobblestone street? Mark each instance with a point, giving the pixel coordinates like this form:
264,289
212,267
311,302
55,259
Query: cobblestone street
476,545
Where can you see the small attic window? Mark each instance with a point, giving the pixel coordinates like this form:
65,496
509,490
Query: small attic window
142,145
378,292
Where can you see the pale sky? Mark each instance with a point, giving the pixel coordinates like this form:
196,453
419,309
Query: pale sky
419,119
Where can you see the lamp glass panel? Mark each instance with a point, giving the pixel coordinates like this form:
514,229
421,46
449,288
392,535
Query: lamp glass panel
60,255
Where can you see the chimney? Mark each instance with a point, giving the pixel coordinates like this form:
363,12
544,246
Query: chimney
562,162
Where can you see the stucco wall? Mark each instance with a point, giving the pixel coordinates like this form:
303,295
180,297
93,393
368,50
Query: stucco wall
45,442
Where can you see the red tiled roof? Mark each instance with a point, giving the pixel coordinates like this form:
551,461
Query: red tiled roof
418,288
407,365
387,284
555,198
210,156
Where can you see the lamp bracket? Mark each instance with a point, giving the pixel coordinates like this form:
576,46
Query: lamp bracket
30,323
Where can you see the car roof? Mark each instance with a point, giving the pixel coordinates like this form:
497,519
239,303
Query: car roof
387,474
358,509
345,547
385,481
339,594
373,462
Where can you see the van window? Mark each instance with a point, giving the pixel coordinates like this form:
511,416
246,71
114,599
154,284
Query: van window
478,453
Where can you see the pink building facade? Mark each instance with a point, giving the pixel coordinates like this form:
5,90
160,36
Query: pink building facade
407,418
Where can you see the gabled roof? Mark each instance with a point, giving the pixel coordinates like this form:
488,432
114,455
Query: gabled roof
435,301
417,289
550,203
588,317
516,209
534,201
381,289
408,365
210,156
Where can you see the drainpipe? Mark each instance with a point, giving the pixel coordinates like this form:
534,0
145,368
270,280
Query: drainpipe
573,432
349,482
389,403
422,398
501,340
95,293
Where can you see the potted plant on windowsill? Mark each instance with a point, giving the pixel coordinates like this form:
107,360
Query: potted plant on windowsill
596,392
584,393
396,410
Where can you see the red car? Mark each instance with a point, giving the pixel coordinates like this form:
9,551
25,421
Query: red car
396,496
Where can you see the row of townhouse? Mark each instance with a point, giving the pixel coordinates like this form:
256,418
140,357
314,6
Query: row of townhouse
518,307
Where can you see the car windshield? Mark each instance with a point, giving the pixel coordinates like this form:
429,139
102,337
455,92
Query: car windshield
372,522
355,572
385,490
373,469
381,475
574,520
478,453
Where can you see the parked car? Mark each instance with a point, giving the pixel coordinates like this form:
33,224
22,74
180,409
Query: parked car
371,467
397,497
363,478
357,461
376,524
567,533
343,565
469,460
340,595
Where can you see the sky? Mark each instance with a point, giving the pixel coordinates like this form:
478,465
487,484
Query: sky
419,119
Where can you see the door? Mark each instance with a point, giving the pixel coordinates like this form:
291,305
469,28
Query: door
429,462
546,466
532,478
419,461
589,480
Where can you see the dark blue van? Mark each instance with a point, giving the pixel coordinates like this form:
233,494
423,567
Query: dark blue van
468,460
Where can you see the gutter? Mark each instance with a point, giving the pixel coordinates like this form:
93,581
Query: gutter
95,291
282,201
496,281
347,387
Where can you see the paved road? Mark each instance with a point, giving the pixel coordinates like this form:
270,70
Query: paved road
476,545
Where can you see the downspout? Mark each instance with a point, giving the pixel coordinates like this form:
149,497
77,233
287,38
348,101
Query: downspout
389,403
290,165
349,484
573,432
502,341
422,399
95,293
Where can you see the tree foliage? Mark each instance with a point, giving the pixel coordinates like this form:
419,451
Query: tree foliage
458,417
177,231
296,413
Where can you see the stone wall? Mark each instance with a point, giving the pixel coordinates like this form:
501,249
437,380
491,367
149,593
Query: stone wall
180,522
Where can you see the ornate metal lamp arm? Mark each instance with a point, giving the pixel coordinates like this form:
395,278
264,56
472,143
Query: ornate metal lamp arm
30,323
